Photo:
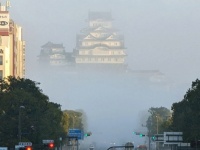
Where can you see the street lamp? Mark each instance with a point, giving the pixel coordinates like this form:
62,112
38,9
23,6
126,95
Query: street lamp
19,124
74,120
157,144
148,134
157,123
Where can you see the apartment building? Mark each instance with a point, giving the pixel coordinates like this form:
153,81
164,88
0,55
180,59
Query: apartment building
12,46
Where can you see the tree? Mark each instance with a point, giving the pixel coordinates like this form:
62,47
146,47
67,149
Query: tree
158,119
186,114
73,119
40,119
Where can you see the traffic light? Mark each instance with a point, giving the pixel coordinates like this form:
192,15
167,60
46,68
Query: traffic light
142,135
51,145
88,134
25,148
153,138
48,145
28,148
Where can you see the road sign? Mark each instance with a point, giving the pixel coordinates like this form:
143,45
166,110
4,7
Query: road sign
25,143
3,148
173,137
158,138
47,141
76,133
184,144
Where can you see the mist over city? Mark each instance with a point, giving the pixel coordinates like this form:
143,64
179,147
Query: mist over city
159,35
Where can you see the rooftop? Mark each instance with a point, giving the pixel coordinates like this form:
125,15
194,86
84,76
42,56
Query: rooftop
100,15
52,45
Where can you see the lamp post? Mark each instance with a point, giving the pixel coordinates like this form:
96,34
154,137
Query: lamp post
157,144
19,124
148,134
74,141
157,123
74,120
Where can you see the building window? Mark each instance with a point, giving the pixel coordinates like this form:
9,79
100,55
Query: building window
1,74
1,60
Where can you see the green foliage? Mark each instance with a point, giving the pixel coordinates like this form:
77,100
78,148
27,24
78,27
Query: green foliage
186,114
158,121
73,119
65,121
40,119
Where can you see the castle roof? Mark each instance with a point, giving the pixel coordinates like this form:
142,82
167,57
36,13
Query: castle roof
108,37
100,15
98,29
52,45
100,45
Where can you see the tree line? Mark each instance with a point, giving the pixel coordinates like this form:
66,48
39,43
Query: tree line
184,116
26,114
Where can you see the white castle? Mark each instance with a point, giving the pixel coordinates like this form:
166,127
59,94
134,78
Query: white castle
100,43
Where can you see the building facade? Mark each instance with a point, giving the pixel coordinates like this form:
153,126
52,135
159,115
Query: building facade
53,54
12,46
100,43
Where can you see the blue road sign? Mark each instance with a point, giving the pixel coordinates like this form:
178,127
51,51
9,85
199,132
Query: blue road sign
76,133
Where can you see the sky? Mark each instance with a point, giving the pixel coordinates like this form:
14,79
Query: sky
159,35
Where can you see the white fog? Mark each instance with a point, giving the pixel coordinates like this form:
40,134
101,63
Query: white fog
159,35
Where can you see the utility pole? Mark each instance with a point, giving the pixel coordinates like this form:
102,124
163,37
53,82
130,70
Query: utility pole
157,123
157,144
149,136
19,124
